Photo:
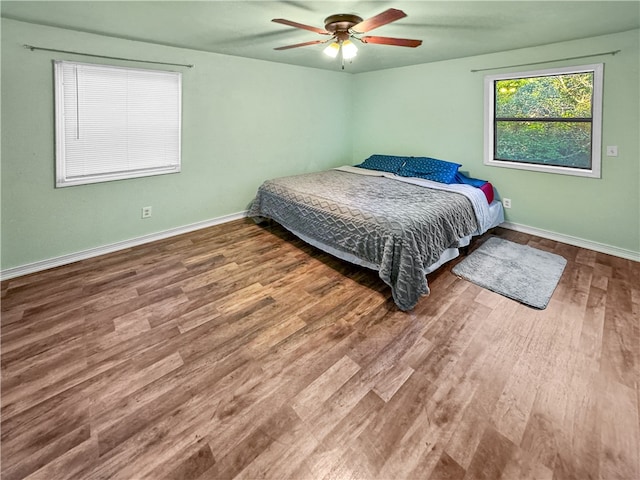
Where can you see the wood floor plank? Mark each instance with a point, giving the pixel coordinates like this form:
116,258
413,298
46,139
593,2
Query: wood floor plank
491,457
621,353
467,434
447,469
306,402
620,442
69,464
513,408
261,438
239,351
30,462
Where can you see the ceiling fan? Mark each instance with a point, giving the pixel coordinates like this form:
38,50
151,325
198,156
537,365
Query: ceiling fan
343,27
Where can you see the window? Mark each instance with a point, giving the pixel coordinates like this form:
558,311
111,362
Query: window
114,123
547,120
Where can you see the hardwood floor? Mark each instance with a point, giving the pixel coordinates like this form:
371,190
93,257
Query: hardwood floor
240,352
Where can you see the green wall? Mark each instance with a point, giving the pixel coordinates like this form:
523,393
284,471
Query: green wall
437,109
246,120
243,121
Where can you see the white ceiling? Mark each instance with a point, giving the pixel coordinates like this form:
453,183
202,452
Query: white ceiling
449,29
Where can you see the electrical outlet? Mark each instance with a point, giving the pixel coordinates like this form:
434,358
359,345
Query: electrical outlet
506,202
146,212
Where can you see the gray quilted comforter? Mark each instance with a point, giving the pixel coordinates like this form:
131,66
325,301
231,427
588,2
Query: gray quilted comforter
399,227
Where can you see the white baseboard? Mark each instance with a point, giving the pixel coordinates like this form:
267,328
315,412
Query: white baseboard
575,241
113,247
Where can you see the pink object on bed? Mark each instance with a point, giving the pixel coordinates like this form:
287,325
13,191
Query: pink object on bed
487,189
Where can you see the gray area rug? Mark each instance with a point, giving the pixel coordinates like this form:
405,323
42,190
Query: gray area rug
519,272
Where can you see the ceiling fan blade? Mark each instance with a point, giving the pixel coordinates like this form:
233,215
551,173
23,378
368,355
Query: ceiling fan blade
313,42
398,42
300,25
379,20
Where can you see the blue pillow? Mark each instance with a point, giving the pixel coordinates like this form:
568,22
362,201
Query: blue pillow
430,169
384,163
475,182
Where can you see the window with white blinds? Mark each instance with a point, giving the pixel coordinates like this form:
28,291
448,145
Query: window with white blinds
114,123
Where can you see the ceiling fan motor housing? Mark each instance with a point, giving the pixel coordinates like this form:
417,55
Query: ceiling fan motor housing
343,26
340,24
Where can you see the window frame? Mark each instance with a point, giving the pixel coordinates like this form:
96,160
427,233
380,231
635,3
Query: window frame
596,121
62,176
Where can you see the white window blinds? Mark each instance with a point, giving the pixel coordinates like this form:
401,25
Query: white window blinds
114,123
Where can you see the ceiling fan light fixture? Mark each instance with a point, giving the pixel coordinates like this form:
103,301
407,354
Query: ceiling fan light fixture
344,27
349,50
332,50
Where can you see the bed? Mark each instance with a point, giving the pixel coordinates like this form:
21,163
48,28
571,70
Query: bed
401,225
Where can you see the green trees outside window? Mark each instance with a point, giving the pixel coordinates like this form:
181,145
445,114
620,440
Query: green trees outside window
545,120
